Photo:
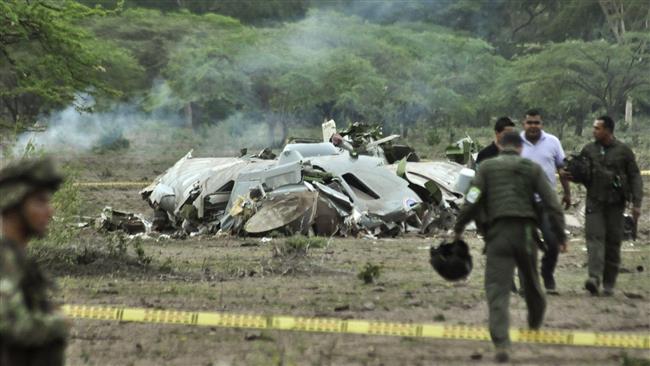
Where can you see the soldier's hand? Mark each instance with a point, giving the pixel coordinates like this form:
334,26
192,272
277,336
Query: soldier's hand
563,173
566,200
563,247
636,213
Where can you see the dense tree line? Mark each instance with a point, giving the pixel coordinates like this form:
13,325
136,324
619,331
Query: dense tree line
402,64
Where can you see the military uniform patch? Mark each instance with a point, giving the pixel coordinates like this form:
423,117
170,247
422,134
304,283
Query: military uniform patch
473,195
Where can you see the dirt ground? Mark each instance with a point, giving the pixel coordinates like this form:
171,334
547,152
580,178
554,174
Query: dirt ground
240,275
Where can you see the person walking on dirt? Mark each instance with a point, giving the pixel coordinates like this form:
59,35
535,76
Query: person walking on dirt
504,188
615,179
31,331
546,150
503,124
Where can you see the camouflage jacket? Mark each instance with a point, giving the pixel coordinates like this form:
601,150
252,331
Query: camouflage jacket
615,176
505,187
26,315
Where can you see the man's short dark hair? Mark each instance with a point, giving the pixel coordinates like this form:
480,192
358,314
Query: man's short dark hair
533,112
510,139
608,122
502,123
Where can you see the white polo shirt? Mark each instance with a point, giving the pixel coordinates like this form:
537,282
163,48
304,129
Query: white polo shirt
547,152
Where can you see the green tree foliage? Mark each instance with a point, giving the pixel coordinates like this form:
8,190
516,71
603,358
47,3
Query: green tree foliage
506,24
149,35
405,65
46,57
247,11
577,73
333,66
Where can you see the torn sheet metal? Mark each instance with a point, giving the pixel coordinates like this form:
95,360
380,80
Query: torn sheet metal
310,188
370,187
295,210
204,183
112,220
445,174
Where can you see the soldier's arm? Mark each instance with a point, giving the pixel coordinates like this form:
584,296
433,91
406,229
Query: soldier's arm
634,179
585,152
548,196
18,323
564,180
472,202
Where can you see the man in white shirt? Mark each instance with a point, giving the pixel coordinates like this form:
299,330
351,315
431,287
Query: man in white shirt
546,150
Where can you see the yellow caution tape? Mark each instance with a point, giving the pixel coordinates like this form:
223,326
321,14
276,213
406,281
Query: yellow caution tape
356,326
111,184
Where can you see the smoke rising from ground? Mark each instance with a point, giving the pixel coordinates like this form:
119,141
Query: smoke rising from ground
318,41
73,129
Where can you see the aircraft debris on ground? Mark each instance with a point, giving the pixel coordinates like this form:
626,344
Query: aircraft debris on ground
356,182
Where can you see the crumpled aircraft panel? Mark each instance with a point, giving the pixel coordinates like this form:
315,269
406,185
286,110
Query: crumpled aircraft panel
372,188
445,174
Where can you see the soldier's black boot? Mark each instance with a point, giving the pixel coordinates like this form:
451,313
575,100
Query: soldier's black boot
502,355
591,285
549,285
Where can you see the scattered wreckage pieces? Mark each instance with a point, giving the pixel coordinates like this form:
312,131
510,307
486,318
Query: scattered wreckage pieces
311,188
293,212
196,191
349,194
368,139
463,151
112,220
441,185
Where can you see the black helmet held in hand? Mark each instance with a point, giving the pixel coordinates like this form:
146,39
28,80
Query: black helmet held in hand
579,167
451,260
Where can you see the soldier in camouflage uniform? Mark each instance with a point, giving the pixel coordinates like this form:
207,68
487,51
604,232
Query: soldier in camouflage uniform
504,190
615,180
31,332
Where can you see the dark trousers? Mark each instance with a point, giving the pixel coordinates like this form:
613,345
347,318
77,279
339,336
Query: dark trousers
510,244
52,354
551,252
604,234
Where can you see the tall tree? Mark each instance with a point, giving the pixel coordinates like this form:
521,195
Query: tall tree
574,74
46,57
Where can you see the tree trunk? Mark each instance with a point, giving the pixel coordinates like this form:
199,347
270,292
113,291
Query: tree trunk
610,110
579,124
628,112
562,124
615,15
285,132
272,122
188,115
13,110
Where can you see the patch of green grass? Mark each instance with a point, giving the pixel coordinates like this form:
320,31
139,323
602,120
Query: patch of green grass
369,273
297,246
631,361
298,241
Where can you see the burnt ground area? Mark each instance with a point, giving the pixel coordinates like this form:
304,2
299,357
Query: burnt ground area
240,275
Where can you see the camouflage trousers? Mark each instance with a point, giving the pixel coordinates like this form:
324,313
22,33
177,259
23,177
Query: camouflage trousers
52,354
604,234
510,244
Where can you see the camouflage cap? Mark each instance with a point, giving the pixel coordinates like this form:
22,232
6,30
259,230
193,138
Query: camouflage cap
23,176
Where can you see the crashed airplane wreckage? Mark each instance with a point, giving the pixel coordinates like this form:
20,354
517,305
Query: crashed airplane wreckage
311,188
